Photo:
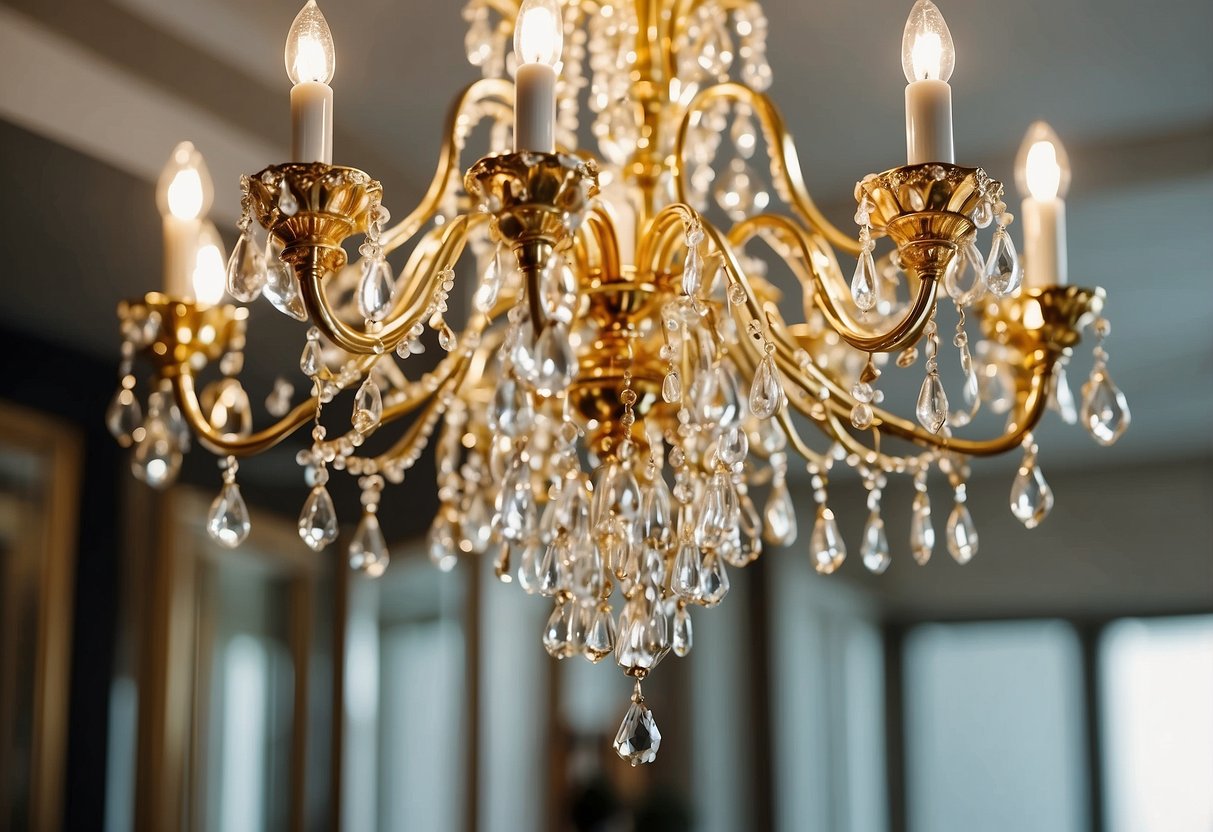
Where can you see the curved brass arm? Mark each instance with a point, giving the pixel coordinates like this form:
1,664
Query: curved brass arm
410,304
448,159
780,148
905,332
187,399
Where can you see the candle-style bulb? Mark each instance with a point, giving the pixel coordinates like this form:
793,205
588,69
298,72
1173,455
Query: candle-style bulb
539,32
1042,168
310,55
210,266
184,190
927,51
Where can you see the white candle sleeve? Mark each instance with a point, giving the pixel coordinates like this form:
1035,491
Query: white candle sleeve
929,122
535,108
1044,235
312,122
180,254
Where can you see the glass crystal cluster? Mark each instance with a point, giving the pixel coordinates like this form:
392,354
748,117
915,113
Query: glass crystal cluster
614,426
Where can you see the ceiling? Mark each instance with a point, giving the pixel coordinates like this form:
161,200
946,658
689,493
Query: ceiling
94,93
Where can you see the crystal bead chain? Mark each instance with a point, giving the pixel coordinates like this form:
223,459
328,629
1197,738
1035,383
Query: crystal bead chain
227,522
863,283
932,406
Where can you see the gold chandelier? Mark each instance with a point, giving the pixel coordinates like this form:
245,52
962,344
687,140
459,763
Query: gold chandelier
625,385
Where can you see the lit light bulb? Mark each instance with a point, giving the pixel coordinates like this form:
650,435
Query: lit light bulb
210,266
927,51
310,55
539,32
1042,169
185,189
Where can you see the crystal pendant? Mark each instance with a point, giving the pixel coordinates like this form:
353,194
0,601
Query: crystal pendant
962,534
490,285
932,408
692,272
964,279
671,388
511,413
1105,411
555,363
1061,398
447,338
1003,275
245,270
766,393
688,566
826,547
556,632
281,282
528,566
228,521
733,446
157,456
713,580
779,516
228,410
656,526
375,289
600,637
318,520
312,360
1031,496
368,549
368,407
638,738
863,284
682,637
124,416
875,546
922,532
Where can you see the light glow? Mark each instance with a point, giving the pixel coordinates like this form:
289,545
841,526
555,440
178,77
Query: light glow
538,34
210,267
185,189
927,51
1042,169
310,54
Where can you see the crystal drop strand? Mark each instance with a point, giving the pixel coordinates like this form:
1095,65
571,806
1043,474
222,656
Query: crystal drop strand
311,362
863,283
440,543
743,134
932,408
671,351
278,402
281,283
638,739
376,284
318,519
246,267
766,391
490,284
1105,410
922,531
1031,496
227,523
692,267
1003,274
779,515
682,637
875,547
826,547
158,452
864,394
368,405
962,534
971,392
368,551
124,416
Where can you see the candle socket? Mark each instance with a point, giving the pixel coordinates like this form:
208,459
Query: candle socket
1047,320
177,333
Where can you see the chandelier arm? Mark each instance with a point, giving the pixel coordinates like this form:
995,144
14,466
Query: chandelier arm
904,333
656,245
600,225
781,148
191,410
448,159
409,308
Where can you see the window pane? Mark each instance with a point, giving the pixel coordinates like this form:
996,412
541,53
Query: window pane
994,728
1157,699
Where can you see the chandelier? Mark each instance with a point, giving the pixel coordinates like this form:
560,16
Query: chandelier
615,417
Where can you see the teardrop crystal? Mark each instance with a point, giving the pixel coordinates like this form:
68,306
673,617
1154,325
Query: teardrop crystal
863,283
671,388
447,338
157,457
556,632
246,270
228,521
281,284
779,516
932,408
368,549
875,547
528,566
682,636
713,580
962,534
318,520
555,363
964,279
368,406
600,637
124,416
1031,496
228,409
511,413
922,532
638,739
1105,410
1061,398
766,393
490,284
1003,275
688,566
312,359
692,272
375,289
826,547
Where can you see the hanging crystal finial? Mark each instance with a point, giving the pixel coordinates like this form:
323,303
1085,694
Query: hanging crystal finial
638,738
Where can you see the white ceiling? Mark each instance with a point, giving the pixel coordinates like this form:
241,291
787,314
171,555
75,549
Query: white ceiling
1128,86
